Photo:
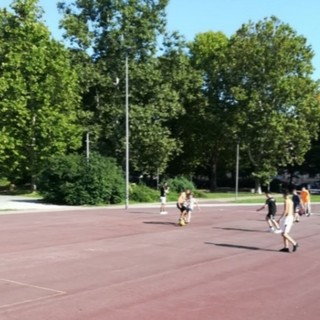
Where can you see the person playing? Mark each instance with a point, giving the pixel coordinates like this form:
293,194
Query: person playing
296,205
182,206
191,202
288,216
305,201
272,210
164,190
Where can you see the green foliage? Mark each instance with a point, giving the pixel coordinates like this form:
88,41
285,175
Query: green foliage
180,183
214,126
72,180
187,82
4,182
275,98
187,109
116,32
39,93
142,193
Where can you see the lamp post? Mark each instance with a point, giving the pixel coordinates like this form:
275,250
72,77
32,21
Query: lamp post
237,170
127,131
88,146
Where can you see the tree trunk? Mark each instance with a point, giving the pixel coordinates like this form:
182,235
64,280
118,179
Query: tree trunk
213,176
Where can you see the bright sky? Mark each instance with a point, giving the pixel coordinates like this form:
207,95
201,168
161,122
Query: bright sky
190,17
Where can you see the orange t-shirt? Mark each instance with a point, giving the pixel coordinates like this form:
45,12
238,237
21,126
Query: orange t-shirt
305,196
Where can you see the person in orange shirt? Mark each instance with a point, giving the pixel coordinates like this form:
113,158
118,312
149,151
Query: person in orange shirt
305,201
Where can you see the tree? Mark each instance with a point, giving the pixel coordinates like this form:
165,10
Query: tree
271,89
38,93
216,131
114,31
184,82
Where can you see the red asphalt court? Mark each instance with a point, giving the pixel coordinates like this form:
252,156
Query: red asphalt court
117,264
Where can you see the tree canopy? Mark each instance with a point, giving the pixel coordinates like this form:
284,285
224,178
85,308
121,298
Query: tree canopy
271,87
190,104
38,93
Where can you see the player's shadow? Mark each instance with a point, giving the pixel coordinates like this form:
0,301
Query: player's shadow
166,223
239,229
142,212
228,245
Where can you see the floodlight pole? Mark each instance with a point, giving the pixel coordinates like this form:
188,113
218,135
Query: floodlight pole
127,132
237,170
88,146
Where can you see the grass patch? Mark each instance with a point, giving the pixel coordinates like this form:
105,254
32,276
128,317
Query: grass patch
278,197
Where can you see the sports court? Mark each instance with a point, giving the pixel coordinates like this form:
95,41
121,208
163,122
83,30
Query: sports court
117,264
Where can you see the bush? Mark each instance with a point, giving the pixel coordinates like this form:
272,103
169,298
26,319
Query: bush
142,193
179,184
72,180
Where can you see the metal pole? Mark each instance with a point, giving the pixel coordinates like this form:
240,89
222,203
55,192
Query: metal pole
127,134
88,146
237,171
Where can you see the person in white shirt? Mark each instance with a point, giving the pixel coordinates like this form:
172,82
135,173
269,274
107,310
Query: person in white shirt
191,202
164,190
288,215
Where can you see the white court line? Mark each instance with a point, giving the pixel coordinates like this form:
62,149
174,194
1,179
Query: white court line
54,293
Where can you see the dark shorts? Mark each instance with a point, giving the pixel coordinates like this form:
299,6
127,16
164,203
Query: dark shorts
271,216
182,208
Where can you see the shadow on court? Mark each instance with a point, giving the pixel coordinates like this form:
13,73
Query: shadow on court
239,229
142,212
227,245
166,223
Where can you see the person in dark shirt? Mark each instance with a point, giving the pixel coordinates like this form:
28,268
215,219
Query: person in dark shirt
272,211
296,205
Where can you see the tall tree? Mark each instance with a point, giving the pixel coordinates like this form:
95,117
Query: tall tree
114,32
270,85
38,93
217,132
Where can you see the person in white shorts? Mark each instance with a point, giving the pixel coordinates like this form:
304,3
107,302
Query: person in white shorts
288,215
191,202
164,190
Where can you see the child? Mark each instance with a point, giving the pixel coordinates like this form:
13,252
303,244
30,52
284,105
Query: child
190,203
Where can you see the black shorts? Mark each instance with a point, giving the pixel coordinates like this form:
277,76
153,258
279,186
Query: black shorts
181,207
271,216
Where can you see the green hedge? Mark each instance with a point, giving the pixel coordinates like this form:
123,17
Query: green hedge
73,180
142,193
179,184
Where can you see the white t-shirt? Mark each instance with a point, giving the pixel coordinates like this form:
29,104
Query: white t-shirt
190,203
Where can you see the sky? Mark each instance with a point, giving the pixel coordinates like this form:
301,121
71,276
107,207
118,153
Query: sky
190,17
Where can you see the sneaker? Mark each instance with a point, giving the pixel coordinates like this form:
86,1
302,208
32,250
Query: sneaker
271,230
278,231
295,247
284,250
296,220
163,212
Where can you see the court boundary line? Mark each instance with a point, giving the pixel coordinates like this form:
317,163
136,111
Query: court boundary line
54,293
